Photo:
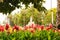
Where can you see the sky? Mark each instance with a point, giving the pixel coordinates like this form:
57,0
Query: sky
47,5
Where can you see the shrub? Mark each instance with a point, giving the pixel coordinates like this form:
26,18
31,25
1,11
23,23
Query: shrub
24,17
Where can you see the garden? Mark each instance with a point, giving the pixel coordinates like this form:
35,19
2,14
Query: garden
32,32
29,20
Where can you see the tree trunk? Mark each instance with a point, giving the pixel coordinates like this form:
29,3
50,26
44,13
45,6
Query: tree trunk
58,12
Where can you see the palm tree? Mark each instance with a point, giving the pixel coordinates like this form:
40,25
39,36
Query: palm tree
58,13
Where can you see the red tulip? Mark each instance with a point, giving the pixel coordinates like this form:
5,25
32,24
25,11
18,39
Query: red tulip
16,27
50,25
7,26
1,28
42,27
47,28
26,27
38,26
34,26
30,27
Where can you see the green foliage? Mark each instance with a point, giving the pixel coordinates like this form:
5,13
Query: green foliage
48,17
38,4
26,35
24,17
8,6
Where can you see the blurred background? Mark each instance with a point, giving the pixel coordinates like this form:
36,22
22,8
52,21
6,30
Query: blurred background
43,15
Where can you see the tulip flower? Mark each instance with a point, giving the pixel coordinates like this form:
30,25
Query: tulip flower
42,27
7,26
48,28
32,30
16,27
26,27
50,25
1,28
9,30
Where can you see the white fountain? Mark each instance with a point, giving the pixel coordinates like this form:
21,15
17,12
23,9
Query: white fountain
30,22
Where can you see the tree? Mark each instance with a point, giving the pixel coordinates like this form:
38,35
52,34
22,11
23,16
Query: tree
8,6
58,13
48,17
23,18
37,4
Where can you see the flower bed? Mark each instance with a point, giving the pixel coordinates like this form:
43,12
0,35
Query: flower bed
32,32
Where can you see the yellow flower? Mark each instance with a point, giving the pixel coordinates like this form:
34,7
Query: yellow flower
14,30
9,30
